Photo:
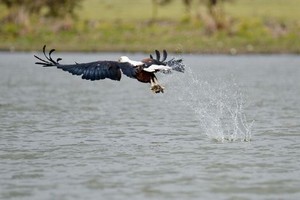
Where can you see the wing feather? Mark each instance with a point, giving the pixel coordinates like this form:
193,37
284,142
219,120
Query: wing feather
91,74
78,70
90,71
97,74
128,69
165,55
100,70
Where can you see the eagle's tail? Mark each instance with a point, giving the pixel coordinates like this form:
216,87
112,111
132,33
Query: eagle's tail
49,62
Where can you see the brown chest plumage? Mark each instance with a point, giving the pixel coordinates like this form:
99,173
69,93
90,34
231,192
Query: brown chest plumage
144,76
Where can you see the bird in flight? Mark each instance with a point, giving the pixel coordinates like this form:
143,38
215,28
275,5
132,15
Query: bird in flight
143,71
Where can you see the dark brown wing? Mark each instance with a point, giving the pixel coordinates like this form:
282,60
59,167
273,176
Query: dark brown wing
90,71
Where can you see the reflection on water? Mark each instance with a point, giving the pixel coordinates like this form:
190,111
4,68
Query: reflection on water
65,138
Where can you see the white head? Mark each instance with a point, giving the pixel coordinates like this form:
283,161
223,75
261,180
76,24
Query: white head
124,59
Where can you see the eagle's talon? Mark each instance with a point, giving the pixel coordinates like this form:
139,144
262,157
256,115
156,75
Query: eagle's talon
157,89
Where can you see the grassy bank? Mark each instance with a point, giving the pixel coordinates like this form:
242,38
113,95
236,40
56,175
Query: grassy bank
125,25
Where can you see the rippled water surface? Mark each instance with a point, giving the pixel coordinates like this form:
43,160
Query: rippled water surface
65,138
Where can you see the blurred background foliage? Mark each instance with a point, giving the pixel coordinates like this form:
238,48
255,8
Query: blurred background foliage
201,26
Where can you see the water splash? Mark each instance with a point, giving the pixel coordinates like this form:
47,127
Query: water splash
219,106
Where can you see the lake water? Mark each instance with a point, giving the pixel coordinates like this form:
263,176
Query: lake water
228,128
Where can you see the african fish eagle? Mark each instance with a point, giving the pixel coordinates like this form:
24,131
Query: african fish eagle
144,71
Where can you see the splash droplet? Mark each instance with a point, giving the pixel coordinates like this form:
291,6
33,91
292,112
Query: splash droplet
219,107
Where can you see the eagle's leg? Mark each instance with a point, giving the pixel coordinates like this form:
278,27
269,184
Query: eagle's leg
155,87
152,84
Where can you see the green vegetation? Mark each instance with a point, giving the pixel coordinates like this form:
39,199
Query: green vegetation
246,26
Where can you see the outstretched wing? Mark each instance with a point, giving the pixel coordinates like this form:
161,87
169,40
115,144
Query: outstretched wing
94,70
90,71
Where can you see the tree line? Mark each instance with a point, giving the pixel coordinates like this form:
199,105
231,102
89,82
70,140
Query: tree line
214,8
21,10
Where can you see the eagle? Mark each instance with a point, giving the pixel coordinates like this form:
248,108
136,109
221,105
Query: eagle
143,71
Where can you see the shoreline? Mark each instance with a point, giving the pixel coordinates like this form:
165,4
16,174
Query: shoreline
146,52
